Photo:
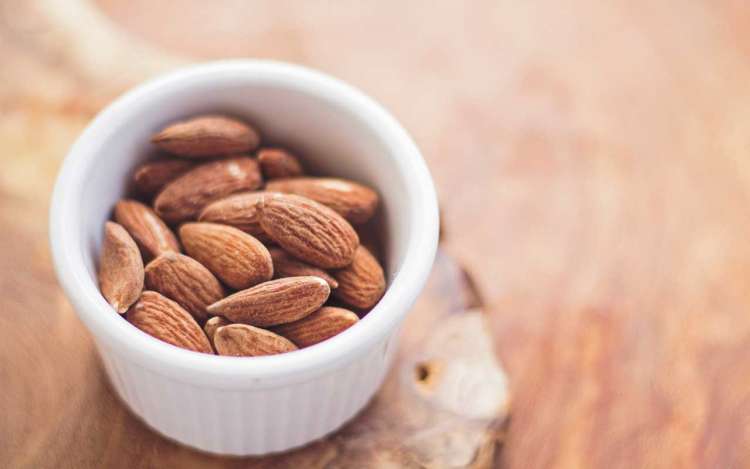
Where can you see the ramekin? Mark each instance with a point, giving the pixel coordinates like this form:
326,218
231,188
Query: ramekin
258,405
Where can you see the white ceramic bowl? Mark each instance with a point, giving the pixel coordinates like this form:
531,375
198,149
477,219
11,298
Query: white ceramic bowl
244,406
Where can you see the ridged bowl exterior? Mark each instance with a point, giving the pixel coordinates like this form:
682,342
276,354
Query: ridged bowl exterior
250,421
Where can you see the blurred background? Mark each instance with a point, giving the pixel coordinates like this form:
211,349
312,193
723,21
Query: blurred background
591,160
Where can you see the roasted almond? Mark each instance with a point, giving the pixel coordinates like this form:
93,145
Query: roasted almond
362,283
275,302
184,198
150,233
241,340
318,326
234,256
120,268
353,201
278,163
213,324
308,230
285,265
164,319
184,280
237,210
150,177
208,135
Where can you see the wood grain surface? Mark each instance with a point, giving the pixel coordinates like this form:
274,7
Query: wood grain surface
592,163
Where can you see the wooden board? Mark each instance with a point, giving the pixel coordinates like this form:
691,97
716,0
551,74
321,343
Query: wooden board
591,158
60,410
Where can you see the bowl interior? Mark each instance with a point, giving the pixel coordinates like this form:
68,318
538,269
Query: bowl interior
330,139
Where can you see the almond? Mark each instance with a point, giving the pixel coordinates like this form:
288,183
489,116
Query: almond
279,163
363,282
234,256
164,319
237,210
275,302
150,177
120,268
308,230
285,265
184,280
208,135
151,234
184,198
241,340
213,324
317,327
353,201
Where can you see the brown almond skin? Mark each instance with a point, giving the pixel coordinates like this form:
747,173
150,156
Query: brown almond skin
120,268
362,283
241,340
353,201
185,197
206,136
275,302
150,177
279,163
308,230
317,327
212,325
285,265
164,319
237,258
184,280
237,210
150,233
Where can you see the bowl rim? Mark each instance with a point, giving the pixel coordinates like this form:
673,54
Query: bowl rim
67,246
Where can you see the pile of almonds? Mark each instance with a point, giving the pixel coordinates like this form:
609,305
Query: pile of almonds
270,255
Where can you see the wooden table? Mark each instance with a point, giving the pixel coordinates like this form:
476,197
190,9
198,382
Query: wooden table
591,159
